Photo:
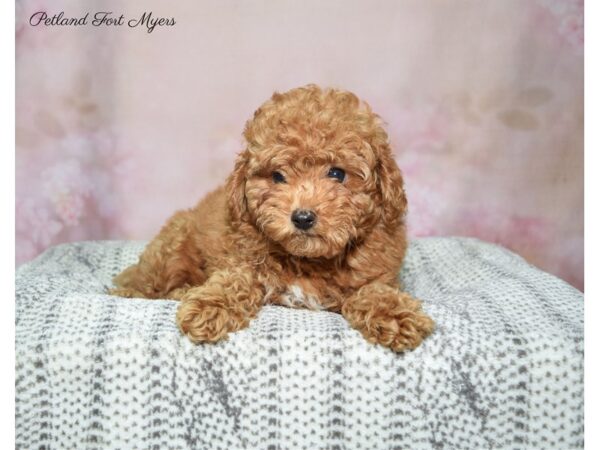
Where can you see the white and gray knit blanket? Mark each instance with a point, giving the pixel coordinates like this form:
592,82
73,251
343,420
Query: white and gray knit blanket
504,368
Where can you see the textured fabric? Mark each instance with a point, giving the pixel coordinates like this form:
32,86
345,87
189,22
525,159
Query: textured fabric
504,368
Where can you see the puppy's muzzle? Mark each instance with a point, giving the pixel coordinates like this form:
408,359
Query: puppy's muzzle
303,219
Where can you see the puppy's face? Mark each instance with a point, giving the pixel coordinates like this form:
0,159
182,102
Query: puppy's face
312,205
311,178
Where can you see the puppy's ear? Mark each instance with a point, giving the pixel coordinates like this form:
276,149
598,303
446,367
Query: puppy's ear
236,188
391,187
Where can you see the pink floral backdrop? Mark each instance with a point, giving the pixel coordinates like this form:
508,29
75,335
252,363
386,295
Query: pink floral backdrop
117,127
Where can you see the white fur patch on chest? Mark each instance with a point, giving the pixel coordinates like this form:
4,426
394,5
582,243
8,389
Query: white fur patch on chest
294,297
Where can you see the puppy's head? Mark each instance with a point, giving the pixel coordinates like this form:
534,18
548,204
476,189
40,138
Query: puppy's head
317,174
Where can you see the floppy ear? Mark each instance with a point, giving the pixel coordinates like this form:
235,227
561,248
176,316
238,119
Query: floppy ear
391,187
236,189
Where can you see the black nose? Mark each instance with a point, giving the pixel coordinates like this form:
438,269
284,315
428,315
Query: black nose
303,219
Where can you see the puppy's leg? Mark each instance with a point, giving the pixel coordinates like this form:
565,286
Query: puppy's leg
225,303
387,316
170,263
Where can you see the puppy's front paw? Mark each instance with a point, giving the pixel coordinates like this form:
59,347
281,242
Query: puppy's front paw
388,317
398,330
225,303
203,322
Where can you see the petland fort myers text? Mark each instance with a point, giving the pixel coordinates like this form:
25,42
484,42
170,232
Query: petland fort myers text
101,19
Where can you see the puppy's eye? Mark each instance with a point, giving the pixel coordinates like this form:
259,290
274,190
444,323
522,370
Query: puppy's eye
278,177
337,173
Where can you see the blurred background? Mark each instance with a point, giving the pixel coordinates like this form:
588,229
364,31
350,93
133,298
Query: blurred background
117,128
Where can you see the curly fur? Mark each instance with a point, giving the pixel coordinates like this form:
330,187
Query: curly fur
238,249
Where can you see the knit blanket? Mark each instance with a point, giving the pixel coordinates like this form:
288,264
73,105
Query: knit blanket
504,368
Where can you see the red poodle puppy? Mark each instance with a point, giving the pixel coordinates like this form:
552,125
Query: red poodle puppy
312,216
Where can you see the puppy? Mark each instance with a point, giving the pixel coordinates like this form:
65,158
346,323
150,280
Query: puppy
311,217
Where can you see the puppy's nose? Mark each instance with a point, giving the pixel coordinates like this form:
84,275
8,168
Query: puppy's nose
303,219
